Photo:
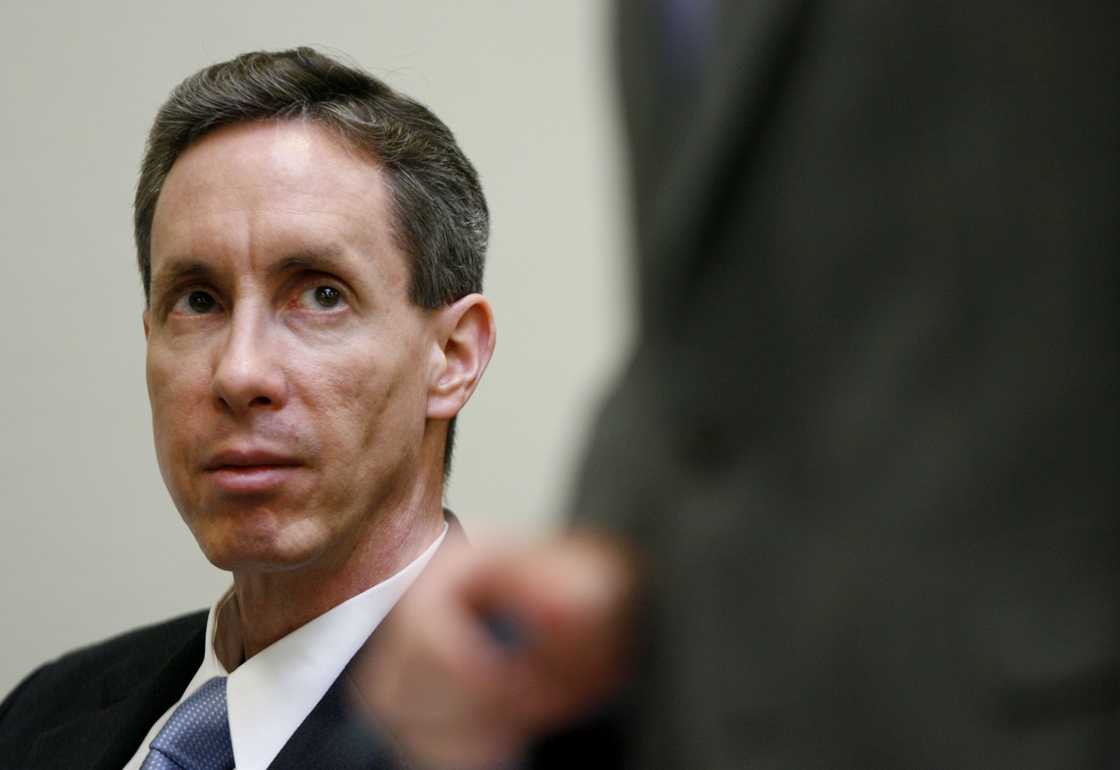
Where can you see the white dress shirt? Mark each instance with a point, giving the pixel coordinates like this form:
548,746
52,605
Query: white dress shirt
271,693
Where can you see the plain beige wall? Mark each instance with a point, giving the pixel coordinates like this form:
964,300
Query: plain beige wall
90,541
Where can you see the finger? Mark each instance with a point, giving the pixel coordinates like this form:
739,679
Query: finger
568,605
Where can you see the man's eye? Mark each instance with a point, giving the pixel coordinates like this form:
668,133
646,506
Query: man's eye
196,302
321,297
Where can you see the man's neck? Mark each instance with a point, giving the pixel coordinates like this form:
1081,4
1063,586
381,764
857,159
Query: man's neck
269,605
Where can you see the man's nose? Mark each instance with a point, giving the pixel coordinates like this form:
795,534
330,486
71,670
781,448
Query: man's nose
249,372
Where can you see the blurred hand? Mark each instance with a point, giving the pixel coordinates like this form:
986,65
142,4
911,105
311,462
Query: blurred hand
492,647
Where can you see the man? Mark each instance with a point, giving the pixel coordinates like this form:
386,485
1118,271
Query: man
311,245
866,446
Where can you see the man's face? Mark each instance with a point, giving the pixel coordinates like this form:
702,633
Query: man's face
287,369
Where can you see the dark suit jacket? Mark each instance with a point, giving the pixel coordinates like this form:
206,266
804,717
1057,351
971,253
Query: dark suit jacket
868,435
92,708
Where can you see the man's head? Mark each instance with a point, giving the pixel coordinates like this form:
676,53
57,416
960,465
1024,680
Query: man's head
440,215
311,245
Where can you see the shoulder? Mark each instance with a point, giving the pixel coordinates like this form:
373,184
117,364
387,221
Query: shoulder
91,676
154,642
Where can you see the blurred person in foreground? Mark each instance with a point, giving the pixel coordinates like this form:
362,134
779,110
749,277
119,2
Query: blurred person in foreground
311,245
853,502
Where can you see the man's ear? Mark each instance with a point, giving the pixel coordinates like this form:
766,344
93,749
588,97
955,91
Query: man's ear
147,322
465,336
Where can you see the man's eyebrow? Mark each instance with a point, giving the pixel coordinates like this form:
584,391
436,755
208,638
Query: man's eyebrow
328,259
178,271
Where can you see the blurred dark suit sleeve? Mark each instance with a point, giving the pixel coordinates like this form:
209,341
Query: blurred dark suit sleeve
868,434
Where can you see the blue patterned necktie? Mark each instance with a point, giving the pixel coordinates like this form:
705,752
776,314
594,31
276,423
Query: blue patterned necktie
196,737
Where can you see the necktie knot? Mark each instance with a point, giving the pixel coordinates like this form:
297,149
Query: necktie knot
196,737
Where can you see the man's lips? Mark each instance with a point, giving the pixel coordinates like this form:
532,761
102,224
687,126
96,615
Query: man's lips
249,458
250,471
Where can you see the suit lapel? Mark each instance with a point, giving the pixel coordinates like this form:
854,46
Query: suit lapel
334,736
107,738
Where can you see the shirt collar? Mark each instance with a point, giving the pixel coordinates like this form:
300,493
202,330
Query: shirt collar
271,693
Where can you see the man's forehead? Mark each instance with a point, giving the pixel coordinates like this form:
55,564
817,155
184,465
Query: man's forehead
290,190
297,156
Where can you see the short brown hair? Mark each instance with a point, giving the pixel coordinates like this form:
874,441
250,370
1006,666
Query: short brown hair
440,216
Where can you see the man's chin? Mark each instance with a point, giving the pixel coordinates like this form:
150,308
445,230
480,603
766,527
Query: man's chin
247,549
